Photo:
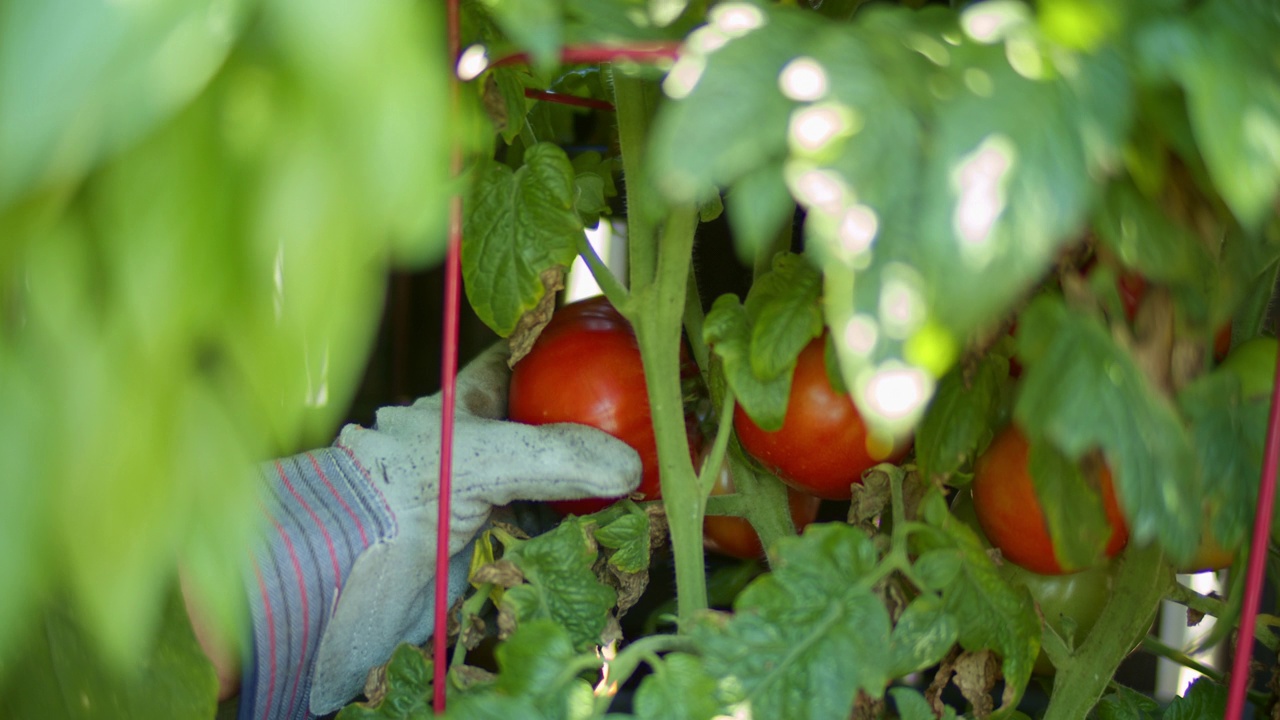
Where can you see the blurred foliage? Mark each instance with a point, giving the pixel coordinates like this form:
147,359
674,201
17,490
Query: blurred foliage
198,205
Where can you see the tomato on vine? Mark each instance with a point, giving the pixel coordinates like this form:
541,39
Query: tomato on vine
823,447
585,368
1010,513
734,536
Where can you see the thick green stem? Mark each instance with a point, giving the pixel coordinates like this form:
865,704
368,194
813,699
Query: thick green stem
636,100
1143,579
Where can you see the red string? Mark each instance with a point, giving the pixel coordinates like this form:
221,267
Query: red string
647,53
565,99
1257,559
448,382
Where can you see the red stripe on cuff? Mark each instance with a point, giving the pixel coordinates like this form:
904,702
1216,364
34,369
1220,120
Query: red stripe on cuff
271,640
328,541
306,609
364,540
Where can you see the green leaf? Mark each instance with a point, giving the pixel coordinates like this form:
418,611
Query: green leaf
1082,392
922,636
993,614
1222,56
1203,700
536,25
728,331
782,306
1228,435
679,689
936,569
968,407
1073,509
408,687
533,661
62,675
560,585
511,82
806,637
520,224
593,185
1124,703
911,705
759,207
629,537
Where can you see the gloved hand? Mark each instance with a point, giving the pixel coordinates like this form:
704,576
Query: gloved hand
346,570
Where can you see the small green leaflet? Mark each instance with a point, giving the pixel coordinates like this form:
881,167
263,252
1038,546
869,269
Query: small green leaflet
966,411
922,636
679,689
912,705
1203,700
1126,704
408,686
628,536
806,637
519,224
1083,392
1073,509
560,585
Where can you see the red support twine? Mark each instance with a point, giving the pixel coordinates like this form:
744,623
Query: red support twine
448,382
1257,560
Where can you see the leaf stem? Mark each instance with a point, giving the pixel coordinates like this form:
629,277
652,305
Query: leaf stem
693,322
707,478
604,277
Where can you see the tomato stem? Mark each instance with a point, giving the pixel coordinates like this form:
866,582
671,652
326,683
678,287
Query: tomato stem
604,277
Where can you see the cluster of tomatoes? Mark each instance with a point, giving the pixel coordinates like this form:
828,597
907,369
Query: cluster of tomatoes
585,367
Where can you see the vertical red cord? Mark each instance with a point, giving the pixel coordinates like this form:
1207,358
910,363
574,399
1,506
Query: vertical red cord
448,378
1257,560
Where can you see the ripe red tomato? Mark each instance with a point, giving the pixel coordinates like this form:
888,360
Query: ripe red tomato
1010,513
585,368
823,446
734,536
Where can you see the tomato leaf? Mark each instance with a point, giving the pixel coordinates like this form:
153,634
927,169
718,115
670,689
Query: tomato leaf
1126,704
995,615
1222,57
1082,392
1073,510
679,689
759,207
1228,435
593,185
782,307
519,224
922,636
408,689
806,637
1204,699
968,407
728,331
560,585
532,663
628,535
911,705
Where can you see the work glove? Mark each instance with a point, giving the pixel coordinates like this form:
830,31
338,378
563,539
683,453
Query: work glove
346,569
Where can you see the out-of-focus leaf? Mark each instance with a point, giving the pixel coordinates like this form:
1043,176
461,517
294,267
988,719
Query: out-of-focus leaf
1204,699
560,585
1082,392
119,70
814,611
1222,55
679,689
521,223
962,417
759,207
593,186
62,675
1228,434
1073,509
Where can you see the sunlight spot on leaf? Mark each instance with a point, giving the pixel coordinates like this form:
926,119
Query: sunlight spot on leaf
991,22
979,82
858,229
980,181
736,19
953,38
665,12
928,47
277,279
803,79
474,60
1024,57
684,76
638,17
318,385
814,128
861,334
821,189
902,308
896,391
707,39
932,347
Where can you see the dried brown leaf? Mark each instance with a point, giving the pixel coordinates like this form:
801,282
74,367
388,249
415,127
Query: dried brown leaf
530,325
